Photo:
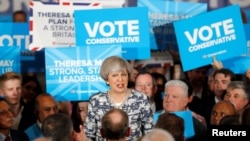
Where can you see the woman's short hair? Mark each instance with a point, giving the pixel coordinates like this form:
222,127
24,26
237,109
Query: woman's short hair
113,63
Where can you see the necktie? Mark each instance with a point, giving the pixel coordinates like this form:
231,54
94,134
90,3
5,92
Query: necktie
8,138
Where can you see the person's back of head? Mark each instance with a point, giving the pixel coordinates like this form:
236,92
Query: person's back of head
173,124
230,120
58,127
158,135
115,125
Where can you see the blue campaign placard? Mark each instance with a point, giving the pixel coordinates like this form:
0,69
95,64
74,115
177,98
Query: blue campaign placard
188,121
240,64
6,18
162,14
207,35
16,34
128,27
72,73
10,59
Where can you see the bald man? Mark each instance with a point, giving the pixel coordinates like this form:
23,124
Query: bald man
115,125
220,110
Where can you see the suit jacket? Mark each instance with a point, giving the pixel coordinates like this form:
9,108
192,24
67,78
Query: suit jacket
158,102
196,104
207,108
28,117
18,135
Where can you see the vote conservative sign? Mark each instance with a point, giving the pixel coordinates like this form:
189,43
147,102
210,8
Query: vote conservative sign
73,73
16,34
210,34
127,27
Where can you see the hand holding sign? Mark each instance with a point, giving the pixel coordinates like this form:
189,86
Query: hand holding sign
217,64
205,37
127,27
175,54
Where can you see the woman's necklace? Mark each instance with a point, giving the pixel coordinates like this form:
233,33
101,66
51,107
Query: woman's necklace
116,104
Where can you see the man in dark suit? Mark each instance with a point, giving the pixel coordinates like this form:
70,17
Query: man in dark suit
6,122
197,79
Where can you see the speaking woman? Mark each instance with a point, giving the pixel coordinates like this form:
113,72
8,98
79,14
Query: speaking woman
115,71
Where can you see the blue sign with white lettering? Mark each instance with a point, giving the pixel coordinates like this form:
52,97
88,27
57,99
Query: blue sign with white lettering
9,59
128,27
240,64
207,35
162,14
72,73
16,34
188,122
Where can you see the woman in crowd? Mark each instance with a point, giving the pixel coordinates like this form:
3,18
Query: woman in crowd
79,113
115,71
30,88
